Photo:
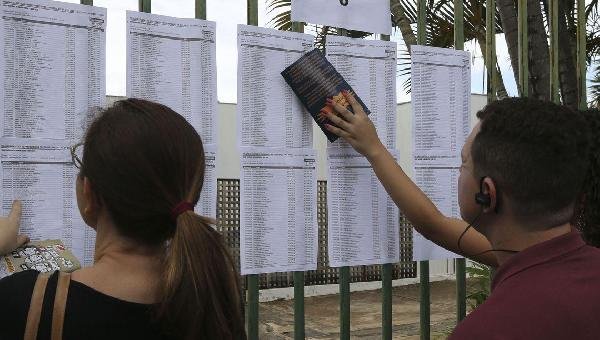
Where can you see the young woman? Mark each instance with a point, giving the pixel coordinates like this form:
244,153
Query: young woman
160,270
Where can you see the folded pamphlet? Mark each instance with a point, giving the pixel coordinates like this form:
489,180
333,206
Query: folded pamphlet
43,256
313,79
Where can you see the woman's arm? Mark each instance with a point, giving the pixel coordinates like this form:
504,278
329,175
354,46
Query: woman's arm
358,130
9,227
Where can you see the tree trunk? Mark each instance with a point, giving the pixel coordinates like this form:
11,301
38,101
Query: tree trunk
510,25
567,66
539,55
404,24
499,85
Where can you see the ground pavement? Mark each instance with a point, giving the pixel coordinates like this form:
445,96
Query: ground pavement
322,314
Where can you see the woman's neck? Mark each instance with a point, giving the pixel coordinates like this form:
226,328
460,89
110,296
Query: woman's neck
123,268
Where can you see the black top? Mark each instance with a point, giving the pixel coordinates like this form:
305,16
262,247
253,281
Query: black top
89,314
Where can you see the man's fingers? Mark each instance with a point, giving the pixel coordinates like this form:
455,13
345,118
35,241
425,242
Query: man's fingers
337,131
14,218
22,240
356,107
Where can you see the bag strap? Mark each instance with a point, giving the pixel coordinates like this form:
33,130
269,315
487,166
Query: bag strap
60,304
35,307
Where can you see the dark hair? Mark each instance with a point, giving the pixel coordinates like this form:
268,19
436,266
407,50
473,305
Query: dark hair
588,217
537,153
142,159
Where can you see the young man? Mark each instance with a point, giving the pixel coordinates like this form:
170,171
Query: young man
523,170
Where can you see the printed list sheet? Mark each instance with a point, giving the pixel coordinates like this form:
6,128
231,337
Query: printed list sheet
441,88
172,61
54,81
363,221
369,66
278,218
269,113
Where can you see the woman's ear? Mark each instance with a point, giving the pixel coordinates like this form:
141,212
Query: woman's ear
91,204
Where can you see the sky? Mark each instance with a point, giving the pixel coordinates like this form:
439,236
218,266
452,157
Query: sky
227,14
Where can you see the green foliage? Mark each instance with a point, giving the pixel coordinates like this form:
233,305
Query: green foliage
440,28
479,284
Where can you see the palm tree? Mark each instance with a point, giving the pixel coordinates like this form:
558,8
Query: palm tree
440,23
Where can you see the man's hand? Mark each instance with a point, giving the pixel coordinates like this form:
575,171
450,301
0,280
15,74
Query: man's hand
9,227
357,129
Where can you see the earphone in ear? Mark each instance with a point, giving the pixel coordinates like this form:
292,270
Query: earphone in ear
480,198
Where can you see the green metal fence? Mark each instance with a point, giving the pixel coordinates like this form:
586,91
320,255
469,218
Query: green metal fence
252,281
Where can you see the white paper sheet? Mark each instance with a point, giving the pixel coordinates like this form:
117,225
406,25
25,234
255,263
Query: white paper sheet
363,15
278,217
41,175
53,69
441,186
363,221
53,66
207,205
173,61
269,113
369,66
441,89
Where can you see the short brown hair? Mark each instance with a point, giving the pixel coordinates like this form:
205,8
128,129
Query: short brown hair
537,153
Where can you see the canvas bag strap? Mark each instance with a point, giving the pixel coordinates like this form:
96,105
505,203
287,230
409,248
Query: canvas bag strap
35,307
60,304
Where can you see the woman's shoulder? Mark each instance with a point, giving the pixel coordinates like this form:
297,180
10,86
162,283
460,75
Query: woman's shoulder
15,297
18,285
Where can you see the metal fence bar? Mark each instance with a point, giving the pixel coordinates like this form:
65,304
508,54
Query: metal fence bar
299,318
424,310
459,25
298,305
200,9
252,12
386,301
460,264
490,42
386,286
252,280
425,300
252,308
145,6
554,81
344,279
523,49
581,57
344,303
421,22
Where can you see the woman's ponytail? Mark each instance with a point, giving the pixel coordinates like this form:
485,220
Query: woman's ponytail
200,292
143,159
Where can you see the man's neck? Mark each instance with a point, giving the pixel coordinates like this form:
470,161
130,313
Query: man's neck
511,236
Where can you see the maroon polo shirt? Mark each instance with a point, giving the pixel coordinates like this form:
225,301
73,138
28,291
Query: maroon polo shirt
548,291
